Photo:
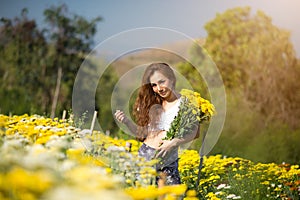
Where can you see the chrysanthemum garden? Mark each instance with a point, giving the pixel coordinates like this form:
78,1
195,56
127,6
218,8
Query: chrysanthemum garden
43,158
231,69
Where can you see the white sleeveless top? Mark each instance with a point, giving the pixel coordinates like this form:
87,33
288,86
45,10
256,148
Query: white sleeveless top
168,116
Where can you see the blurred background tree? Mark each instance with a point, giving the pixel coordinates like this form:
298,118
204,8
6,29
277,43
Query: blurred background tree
257,57
71,39
23,49
38,67
259,68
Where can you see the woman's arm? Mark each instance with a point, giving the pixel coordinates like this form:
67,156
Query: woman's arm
121,117
168,145
188,137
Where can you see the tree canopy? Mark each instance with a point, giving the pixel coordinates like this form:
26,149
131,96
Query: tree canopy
257,57
38,66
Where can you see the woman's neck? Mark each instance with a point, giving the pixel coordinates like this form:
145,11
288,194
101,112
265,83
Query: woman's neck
173,97
170,101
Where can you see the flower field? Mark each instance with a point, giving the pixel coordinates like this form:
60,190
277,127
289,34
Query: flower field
43,158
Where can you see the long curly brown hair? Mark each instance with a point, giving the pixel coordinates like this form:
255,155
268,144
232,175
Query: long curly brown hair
147,107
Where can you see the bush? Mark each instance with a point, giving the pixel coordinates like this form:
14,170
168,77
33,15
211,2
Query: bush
247,134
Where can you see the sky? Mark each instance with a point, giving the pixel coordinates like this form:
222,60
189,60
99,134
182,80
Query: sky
187,17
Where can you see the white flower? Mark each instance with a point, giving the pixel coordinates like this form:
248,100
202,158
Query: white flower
233,196
67,165
273,185
55,129
39,127
230,196
227,187
38,156
11,144
84,132
57,142
115,148
221,186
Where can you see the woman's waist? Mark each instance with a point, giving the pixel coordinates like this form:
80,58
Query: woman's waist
155,139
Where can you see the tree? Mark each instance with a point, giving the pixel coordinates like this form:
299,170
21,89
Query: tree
202,62
22,51
256,56
104,93
71,37
38,67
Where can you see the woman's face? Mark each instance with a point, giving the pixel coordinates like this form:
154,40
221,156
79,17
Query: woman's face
161,84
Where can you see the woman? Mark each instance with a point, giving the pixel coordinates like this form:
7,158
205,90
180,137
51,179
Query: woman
156,106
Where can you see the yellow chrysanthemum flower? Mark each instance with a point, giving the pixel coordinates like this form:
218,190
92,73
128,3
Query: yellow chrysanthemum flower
193,110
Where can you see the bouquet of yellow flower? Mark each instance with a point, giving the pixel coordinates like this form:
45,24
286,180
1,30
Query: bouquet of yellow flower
193,110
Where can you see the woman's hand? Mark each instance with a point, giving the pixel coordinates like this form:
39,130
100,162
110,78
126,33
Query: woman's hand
120,116
165,147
